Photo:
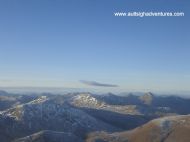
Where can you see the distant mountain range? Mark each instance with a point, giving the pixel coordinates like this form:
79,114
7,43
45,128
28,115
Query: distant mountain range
86,117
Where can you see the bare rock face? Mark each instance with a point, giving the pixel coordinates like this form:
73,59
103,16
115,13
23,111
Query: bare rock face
147,98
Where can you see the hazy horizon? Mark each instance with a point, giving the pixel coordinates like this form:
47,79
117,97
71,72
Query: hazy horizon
64,90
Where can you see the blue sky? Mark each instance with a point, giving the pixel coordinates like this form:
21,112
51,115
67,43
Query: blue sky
57,43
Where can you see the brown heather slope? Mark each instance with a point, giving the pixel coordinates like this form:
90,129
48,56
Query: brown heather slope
166,129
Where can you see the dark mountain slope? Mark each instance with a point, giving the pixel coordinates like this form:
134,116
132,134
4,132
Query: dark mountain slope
50,136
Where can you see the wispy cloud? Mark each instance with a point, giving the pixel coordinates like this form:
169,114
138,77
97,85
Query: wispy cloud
94,83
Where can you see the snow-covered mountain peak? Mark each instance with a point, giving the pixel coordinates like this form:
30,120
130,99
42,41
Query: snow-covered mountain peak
39,100
86,100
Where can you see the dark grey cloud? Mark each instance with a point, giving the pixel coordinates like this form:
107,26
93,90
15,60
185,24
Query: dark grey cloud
94,83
